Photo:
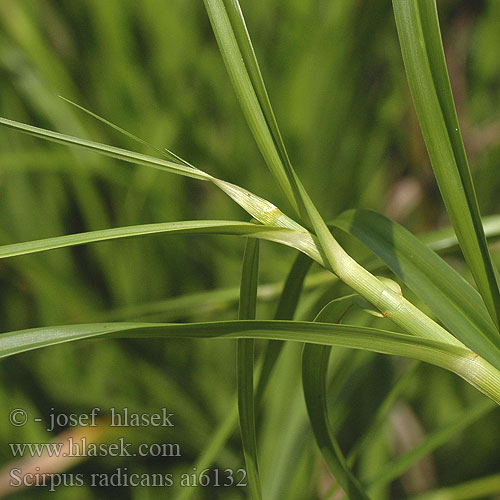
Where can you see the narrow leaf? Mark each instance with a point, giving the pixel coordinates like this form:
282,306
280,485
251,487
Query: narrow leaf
457,359
165,152
245,366
418,28
247,50
112,151
314,379
237,51
295,239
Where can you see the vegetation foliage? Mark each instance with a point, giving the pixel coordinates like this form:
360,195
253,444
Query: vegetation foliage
321,414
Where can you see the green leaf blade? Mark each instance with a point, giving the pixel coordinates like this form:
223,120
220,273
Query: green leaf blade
240,61
245,367
314,380
454,301
104,149
294,239
457,359
249,57
423,55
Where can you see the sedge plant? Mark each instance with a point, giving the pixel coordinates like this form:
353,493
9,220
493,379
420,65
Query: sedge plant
459,328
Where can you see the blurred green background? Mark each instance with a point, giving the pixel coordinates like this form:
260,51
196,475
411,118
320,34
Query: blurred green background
335,77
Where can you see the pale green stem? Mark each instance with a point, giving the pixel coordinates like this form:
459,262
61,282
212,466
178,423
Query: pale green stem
388,301
471,367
